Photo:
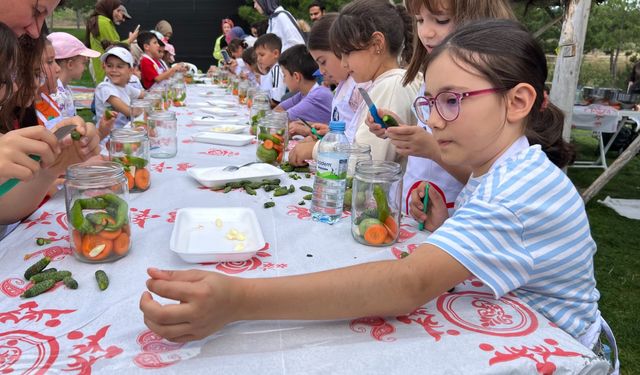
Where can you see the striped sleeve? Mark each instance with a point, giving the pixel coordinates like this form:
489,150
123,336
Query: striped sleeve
487,239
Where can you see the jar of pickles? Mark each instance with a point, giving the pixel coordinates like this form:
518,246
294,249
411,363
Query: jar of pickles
130,149
377,202
243,87
260,108
357,152
97,211
140,110
273,136
178,91
156,101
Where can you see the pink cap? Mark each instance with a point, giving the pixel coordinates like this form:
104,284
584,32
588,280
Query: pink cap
170,48
67,46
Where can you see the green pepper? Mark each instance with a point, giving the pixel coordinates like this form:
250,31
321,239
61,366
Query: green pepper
122,210
37,267
102,279
269,204
38,289
381,202
70,282
137,162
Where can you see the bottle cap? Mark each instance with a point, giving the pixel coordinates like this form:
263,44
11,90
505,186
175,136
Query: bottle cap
337,126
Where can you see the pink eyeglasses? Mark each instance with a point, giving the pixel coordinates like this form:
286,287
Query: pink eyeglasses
447,103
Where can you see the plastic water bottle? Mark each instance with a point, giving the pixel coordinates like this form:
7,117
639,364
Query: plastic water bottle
331,175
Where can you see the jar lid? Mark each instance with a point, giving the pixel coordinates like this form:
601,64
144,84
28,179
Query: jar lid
128,135
97,173
164,115
355,148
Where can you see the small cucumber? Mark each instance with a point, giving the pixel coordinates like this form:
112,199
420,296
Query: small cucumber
38,288
389,121
308,189
269,204
102,279
37,267
55,276
70,282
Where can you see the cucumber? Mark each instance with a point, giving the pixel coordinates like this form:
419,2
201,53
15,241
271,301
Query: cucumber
102,279
38,289
389,121
292,189
37,267
75,135
269,204
70,282
266,155
308,189
281,191
55,276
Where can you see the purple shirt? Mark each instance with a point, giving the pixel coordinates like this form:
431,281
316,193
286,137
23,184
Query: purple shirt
313,107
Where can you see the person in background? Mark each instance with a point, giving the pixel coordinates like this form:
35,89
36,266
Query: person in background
151,67
634,79
125,15
73,57
316,11
259,28
281,22
312,102
221,42
47,109
115,92
164,28
251,71
304,27
169,55
101,32
267,49
236,49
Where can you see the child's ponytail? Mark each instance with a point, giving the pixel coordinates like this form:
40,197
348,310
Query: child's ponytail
407,47
506,54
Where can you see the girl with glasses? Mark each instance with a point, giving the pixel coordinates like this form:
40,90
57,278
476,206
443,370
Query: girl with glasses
435,20
520,226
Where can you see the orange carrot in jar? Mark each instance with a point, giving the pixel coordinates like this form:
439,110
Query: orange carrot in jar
110,235
392,226
121,244
95,247
268,144
130,180
142,179
375,234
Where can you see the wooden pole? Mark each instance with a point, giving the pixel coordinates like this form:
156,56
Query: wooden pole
612,171
567,69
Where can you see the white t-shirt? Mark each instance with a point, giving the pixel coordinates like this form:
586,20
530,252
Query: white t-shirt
522,228
282,26
240,67
274,83
134,82
105,90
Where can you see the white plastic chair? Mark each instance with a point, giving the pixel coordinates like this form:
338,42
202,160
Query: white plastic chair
190,68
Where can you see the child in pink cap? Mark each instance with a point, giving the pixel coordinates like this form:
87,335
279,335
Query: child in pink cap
73,57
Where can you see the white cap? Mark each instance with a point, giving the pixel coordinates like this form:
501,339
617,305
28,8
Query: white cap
119,52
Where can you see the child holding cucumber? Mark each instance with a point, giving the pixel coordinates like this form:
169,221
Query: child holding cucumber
508,230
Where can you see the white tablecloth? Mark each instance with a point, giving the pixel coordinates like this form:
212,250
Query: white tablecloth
83,331
600,118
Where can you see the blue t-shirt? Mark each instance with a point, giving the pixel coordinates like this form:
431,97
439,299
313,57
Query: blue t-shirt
313,107
522,228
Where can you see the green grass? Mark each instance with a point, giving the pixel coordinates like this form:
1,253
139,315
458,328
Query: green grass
617,262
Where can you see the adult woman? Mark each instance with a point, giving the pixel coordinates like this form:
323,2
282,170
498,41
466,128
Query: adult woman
164,28
281,22
101,32
221,42
19,77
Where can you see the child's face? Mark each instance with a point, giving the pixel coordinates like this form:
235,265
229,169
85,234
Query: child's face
267,58
237,53
433,28
358,64
75,67
118,71
50,68
291,80
481,132
153,48
330,66
168,58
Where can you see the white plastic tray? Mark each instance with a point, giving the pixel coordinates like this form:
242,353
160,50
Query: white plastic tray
200,234
216,177
229,129
223,139
212,120
220,112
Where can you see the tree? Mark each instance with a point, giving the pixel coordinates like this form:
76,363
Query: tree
614,28
80,7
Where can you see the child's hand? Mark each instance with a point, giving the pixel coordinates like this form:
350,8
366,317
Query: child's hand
302,152
298,128
105,126
207,303
413,141
437,211
376,128
17,145
321,129
77,151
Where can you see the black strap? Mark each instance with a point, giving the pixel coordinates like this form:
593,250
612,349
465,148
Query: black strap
293,21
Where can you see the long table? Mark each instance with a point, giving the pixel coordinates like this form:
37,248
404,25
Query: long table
86,331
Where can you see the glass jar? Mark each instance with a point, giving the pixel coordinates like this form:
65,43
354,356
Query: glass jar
243,87
234,85
215,77
140,110
98,213
273,136
163,134
224,78
357,152
376,203
156,101
251,92
260,107
178,93
130,149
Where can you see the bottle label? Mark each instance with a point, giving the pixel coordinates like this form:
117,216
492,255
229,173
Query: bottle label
332,167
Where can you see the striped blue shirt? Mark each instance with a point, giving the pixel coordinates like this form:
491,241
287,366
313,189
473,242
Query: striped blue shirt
522,228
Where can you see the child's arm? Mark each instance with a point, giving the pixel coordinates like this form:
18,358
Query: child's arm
119,106
211,300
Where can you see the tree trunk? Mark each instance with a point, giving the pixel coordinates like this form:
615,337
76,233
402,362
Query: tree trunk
78,16
611,63
614,68
567,69
612,171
